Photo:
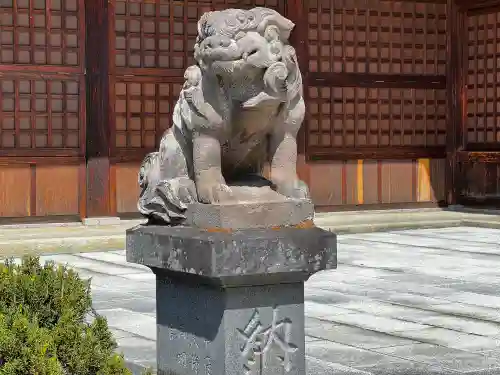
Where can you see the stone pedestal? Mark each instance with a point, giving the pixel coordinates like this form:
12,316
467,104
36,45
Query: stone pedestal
231,302
251,215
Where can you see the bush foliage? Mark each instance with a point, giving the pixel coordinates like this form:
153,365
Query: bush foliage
43,327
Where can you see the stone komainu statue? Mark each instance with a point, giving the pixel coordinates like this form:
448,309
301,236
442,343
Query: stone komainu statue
241,107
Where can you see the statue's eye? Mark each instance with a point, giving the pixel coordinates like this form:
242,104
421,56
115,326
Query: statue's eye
209,30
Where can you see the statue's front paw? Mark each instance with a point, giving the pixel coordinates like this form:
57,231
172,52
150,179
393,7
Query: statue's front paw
214,193
293,189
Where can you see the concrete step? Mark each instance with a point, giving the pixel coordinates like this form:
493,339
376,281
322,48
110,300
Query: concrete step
36,239
388,220
17,240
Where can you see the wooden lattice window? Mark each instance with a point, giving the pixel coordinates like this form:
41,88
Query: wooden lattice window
162,34
483,91
142,35
40,32
150,35
375,36
143,111
346,117
246,4
39,114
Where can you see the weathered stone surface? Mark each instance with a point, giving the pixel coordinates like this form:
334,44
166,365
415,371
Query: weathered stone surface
246,330
250,215
240,109
231,302
242,257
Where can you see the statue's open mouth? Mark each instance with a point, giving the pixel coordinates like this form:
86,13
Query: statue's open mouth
238,65
229,66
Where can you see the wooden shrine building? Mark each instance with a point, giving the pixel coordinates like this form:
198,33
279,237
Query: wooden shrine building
403,100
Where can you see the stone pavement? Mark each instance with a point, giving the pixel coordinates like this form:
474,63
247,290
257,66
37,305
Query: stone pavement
409,302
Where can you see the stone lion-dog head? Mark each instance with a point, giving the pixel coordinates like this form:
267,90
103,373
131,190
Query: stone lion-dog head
236,42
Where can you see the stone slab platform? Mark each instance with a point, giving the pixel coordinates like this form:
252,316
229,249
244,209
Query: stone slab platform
284,213
241,257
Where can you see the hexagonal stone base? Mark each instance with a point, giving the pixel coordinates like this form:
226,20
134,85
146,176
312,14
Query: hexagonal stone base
231,303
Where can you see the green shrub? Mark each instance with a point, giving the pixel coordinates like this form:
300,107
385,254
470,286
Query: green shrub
43,328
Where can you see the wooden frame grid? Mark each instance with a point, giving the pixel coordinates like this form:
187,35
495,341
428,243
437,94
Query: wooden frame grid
42,84
483,91
40,113
474,162
40,32
151,45
145,35
373,36
377,78
349,117
42,108
143,111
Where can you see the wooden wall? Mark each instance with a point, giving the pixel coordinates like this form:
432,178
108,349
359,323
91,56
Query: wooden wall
477,117
76,125
375,77
42,108
376,183
377,102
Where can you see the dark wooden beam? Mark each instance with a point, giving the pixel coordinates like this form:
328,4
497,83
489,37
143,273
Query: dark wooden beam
98,124
480,202
479,157
123,155
40,160
476,5
456,41
414,81
296,11
425,1
32,152
486,10
152,74
486,147
40,70
375,153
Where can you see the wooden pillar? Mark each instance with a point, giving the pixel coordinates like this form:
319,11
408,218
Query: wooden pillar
456,40
296,11
98,112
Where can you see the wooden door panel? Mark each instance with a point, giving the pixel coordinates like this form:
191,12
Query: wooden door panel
42,107
57,190
479,156
15,191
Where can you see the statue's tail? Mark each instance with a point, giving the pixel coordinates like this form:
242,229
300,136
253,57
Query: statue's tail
159,200
147,204
146,166
164,197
